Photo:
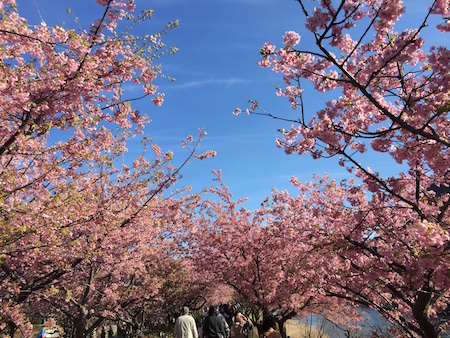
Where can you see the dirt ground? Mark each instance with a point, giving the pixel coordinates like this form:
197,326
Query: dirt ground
300,330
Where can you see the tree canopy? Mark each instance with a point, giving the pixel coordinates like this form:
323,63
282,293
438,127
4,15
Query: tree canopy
87,239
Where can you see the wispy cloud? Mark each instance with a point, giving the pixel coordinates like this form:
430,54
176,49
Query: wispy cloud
208,82
252,2
200,2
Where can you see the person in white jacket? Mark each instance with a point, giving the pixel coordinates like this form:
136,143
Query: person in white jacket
185,326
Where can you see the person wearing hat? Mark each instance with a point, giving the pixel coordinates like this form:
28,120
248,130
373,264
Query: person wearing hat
185,326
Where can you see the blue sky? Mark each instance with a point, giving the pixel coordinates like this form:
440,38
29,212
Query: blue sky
216,71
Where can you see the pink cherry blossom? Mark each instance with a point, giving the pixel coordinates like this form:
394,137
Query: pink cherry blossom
158,100
291,38
390,231
80,230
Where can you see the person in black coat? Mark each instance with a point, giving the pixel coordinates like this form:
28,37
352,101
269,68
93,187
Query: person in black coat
214,325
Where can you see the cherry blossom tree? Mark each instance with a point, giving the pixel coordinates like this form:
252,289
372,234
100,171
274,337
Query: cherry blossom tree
124,272
182,286
76,225
388,250
361,250
233,246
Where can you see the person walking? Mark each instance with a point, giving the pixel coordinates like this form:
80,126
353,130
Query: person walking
185,326
215,325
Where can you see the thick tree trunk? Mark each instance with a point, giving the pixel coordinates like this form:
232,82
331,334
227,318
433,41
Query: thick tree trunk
12,329
421,313
80,328
282,321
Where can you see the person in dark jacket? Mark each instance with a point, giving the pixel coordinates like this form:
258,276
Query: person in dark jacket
214,325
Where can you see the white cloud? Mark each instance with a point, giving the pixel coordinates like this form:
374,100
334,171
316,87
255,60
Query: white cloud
208,82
